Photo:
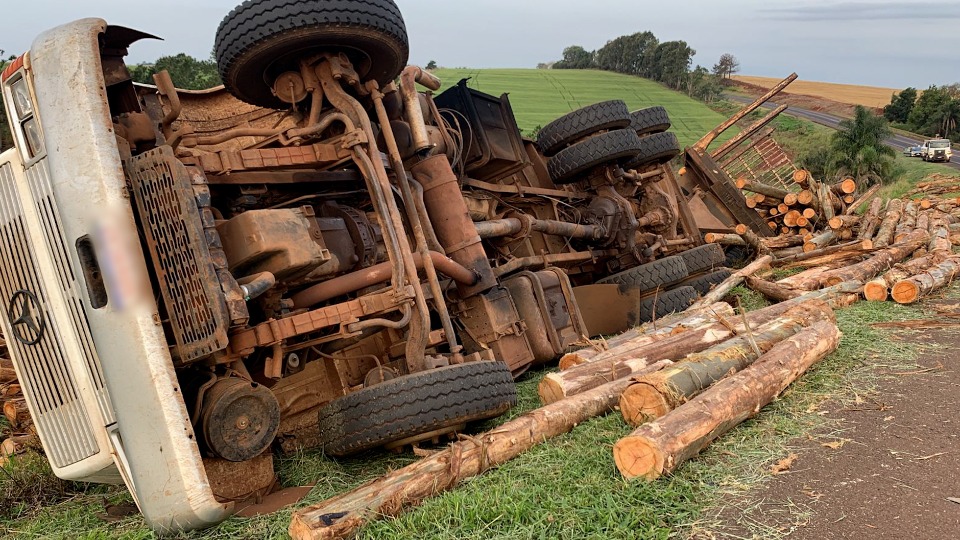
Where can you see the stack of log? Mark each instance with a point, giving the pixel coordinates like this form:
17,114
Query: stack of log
802,210
21,434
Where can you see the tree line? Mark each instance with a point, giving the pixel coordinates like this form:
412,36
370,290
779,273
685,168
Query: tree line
643,55
935,111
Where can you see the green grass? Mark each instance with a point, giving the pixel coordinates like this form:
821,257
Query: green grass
539,96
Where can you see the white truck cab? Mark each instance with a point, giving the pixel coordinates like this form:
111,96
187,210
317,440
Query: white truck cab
940,150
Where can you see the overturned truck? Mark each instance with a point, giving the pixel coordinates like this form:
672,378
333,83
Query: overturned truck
316,255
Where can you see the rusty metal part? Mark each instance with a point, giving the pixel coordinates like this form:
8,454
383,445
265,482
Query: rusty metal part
490,321
177,242
411,102
715,200
275,241
413,217
545,302
706,140
451,220
517,189
239,419
549,259
257,284
290,88
608,309
432,241
513,226
273,367
266,334
371,164
728,146
377,274
167,89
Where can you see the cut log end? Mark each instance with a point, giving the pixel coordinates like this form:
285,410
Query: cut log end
641,403
550,389
570,360
905,292
637,457
876,291
742,229
848,186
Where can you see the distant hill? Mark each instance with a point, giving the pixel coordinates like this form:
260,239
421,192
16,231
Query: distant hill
868,96
539,96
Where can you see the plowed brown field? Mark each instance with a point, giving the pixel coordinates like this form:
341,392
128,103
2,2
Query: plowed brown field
870,96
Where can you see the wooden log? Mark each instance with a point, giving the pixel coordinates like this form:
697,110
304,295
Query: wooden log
754,241
16,412
843,222
763,189
773,291
820,241
790,199
19,444
791,217
724,239
649,333
908,222
781,242
806,197
879,262
809,213
751,201
7,373
847,186
727,285
653,395
343,516
801,177
803,222
857,247
828,201
913,289
871,220
658,448
878,289
627,359
889,224
787,252
10,391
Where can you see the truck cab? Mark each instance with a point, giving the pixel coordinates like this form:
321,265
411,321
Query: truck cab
937,150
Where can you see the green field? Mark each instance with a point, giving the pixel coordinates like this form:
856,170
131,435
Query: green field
539,96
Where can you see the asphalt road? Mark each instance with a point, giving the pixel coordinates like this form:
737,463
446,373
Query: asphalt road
896,141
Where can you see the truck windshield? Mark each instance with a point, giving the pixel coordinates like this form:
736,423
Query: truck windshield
940,144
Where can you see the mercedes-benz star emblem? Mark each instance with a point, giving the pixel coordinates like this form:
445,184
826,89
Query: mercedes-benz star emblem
26,318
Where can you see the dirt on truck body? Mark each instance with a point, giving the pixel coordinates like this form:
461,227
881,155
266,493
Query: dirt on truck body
316,255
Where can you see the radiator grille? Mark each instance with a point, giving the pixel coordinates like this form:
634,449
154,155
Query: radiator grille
46,378
38,178
178,248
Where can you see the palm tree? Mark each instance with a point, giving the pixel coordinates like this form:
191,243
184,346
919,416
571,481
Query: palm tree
859,151
949,117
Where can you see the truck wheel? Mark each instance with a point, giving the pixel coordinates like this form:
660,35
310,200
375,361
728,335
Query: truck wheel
416,404
705,282
650,276
667,302
261,39
582,123
705,257
650,121
613,146
656,149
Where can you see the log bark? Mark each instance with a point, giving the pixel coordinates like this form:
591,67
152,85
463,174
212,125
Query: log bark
847,186
888,226
913,289
763,189
859,246
878,263
781,242
755,242
878,289
344,515
627,359
820,241
770,290
724,239
10,391
654,395
871,220
651,332
19,444
843,222
724,288
658,448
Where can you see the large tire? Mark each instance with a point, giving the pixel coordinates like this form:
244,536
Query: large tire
582,123
261,39
415,404
704,283
705,257
655,149
613,146
651,276
665,303
650,121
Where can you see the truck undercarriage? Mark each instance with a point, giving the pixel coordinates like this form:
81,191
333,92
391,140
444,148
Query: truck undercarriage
340,261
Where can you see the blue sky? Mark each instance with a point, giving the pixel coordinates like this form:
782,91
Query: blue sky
874,42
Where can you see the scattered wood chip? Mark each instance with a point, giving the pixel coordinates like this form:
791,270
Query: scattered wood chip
931,456
835,445
784,464
954,499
